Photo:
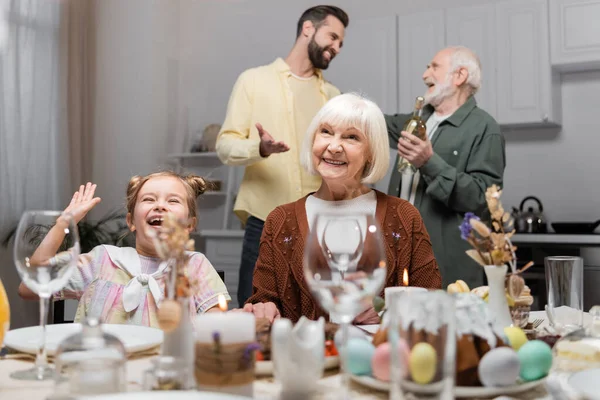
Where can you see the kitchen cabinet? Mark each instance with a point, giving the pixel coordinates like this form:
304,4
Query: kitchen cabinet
475,28
536,247
575,34
219,235
224,250
511,38
420,36
367,62
528,90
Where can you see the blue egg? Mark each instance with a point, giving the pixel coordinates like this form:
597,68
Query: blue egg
353,332
536,360
360,353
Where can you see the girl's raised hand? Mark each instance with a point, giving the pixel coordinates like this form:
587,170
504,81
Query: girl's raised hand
82,201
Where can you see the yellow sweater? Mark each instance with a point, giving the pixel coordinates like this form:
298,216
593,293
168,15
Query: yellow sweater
266,95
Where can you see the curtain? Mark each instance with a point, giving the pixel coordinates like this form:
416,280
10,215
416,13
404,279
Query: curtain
31,150
78,53
46,92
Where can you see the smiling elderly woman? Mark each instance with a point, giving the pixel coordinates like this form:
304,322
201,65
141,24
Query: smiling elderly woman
347,145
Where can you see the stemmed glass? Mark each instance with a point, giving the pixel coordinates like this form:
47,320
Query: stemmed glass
345,267
46,250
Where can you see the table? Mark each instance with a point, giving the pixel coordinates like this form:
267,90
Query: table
264,388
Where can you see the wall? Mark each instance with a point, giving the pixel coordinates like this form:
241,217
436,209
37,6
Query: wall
241,34
166,67
560,166
136,94
166,70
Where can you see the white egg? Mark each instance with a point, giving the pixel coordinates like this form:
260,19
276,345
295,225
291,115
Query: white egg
499,367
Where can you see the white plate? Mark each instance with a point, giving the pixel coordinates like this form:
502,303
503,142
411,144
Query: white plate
587,383
161,395
459,391
135,338
266,367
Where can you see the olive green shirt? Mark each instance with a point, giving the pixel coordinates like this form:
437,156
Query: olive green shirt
469,156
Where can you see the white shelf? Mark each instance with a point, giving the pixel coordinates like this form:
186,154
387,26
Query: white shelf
553,238
181,156
212,193
225,233
218,205
206,159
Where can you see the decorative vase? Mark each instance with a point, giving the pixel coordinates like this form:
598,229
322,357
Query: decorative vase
497,303
179,343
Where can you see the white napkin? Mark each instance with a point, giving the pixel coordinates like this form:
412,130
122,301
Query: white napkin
128,260
565,315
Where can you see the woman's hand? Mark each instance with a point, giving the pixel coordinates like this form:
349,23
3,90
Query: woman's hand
367,317
263,310
82,202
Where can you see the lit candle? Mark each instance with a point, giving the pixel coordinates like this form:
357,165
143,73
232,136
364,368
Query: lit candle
232,327
218,333
399,289
222,303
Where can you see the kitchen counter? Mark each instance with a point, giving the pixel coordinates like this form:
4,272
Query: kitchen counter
554,238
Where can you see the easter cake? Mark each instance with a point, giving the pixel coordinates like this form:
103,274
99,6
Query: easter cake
474,337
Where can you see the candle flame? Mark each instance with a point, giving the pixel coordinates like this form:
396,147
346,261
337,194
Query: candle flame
222,303
405,277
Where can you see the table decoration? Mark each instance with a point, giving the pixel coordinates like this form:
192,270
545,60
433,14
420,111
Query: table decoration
225,351
493,250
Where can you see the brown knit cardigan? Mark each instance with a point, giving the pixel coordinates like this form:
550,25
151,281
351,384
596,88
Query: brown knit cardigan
278,275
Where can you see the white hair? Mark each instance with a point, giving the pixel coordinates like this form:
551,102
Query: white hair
463,57
352,110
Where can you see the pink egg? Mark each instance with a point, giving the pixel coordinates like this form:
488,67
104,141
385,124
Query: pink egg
380,363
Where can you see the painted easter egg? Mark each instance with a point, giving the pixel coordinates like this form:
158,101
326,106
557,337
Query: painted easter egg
381,362
499,367
422,363
360,352
536,360
516,337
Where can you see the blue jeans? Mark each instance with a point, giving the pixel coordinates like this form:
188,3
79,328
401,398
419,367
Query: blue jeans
250,245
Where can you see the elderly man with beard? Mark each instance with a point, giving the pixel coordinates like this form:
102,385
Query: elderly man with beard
463,155
269,110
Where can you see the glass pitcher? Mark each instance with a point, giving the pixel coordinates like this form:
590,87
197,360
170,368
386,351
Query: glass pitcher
90,362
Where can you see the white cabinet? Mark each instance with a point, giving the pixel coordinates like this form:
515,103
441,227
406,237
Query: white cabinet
367,62
420,36
575,34
219,235
511,38
224,250
475,28
528,90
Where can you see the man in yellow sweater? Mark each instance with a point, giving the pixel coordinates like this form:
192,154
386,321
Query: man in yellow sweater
268,113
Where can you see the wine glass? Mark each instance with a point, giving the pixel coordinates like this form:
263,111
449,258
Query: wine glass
46,250
345,267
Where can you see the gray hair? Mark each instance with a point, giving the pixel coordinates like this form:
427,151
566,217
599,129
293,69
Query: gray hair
356,111
463,57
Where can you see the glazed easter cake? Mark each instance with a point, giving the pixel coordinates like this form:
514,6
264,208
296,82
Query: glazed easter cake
483,356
